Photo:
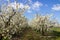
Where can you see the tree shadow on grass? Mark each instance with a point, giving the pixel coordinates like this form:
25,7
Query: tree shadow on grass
56,33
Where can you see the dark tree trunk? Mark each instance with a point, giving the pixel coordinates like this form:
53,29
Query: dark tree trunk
42,31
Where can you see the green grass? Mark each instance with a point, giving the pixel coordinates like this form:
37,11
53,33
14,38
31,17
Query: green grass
57,32
29,34
33,35
56,29
58,38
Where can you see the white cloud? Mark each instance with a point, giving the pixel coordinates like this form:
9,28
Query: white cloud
27,6
37,4
29,11
56,7
34,6
21,5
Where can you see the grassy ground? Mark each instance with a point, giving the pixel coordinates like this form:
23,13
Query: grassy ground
29,34
57,32
33,35
56,29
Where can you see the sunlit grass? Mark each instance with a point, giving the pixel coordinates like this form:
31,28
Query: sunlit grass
56,29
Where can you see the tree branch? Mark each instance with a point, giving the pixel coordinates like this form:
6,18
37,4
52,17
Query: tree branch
2,18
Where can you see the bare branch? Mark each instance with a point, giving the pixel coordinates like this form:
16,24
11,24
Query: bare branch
2,18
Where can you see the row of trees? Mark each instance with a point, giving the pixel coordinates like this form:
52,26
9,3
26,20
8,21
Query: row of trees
12,21
43,23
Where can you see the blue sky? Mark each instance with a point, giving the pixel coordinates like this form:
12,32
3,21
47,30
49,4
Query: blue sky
42,7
